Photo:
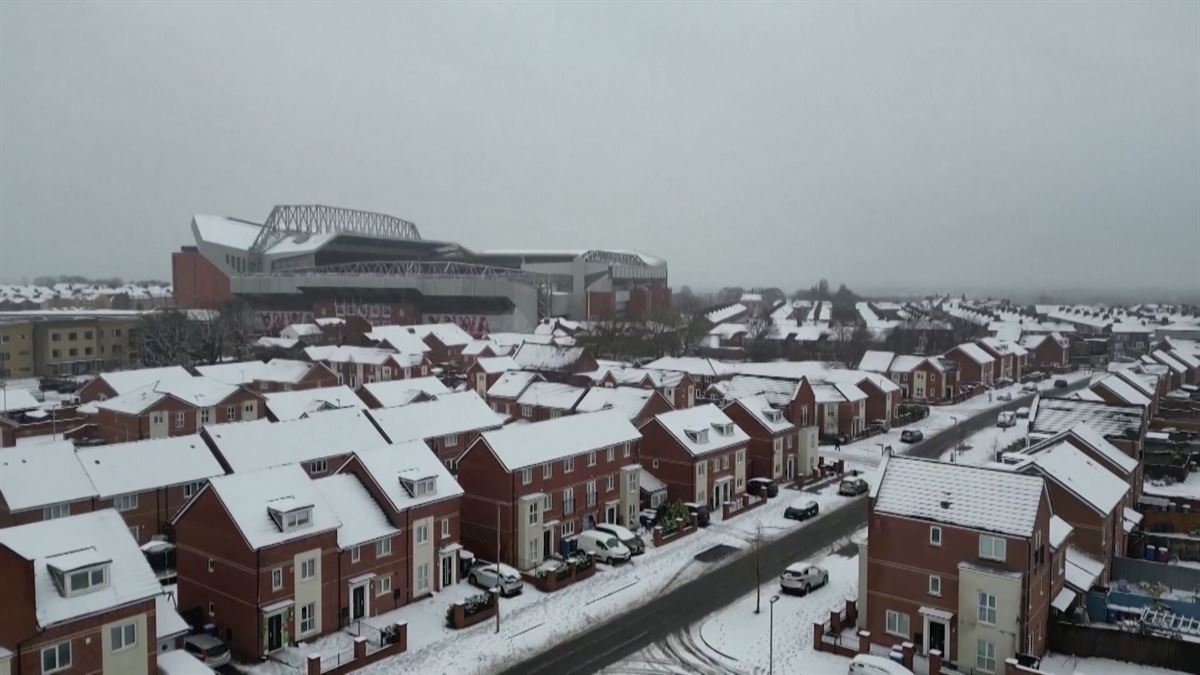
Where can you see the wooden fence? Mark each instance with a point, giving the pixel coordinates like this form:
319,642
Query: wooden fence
1148,650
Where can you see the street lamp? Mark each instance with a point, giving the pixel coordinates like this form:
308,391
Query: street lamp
771,663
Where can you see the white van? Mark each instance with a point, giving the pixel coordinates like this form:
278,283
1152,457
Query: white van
603,546
869,664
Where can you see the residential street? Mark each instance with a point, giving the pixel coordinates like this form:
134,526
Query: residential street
625,634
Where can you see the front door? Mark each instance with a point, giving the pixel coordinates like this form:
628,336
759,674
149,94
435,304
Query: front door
547,542
447,570
919,385
937,638
716,498
274,632
791,467
725,491
358,602
610,513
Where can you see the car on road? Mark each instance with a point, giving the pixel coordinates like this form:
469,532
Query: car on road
207,649
632,542
762,487
1006,419
802,509
870,664
487,575
852,487
603,546
1060,383
1006,396
1030,387
1035,376
1023,413
911,436
1002,383
700,511
802,578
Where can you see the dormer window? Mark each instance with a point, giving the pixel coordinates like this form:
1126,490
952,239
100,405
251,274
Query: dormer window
288,515
422,486
697,435
773,415
79,572
723,428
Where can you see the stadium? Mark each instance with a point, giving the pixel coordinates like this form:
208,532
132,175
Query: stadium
311,261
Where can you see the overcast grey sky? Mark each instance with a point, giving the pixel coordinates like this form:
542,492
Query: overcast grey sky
1039,145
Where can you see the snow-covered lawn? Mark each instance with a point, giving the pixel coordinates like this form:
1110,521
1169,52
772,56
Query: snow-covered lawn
534,620
981,447
1060,664
1160,488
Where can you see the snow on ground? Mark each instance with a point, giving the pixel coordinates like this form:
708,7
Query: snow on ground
1060,664
534,620
981,447
1160,488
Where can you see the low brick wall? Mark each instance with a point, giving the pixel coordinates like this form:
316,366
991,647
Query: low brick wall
361,657
551,582
660,538
460,619
741,505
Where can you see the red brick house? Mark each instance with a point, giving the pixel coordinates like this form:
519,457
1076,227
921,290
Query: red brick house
172,408
883,398
925,379
319,443
546,482
482,349
361,365
795,396
42,482
1011,358
448,424
974,364
637,404
957,560
446,341
257,556
502,395
423,501
676,386
774,440
401,392
147,482
554,362
79,598
1051,351
400,339
285,406
109,385
273,375
841,409
485,370
547,400
699,453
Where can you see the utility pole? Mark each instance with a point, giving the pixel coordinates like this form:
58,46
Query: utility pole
758,567
498,582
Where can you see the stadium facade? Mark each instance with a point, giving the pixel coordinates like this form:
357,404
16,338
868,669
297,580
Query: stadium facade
311,261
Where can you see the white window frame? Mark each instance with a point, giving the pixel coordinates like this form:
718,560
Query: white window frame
383,547
568,464
569,500
452,440
58,664
190,489
532,510
993,548
985,662
355,553
123,637
421,533
126,502
986,610
568,528
548,470
422,578
526,476
935,585
590,490
277,579
308,569
318,466
445,527
311,619
180,419
892,623
935,535
384,586
625,450
612,453
591,458
608,483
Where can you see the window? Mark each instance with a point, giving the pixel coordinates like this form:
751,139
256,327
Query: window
547,470
591,493
319,466
123,637
125,502
625,450
205,415
935,584
569,500
935,535
277,579
85,580
568,465
591,458
992,548
135,532
230,412
446,527
384,586
56,657
422,577
383,547
296,519
526,476
896,623
87,351
72,352
54,353
179,420
72,336
191,489
568,528
56,511
987,608
548,501
779,444
612,454
308,569
533,513
452,440
212,609
741,456
55,337
608,483
248,408
355,553
422,535
725,462
526,411
985,656
308,618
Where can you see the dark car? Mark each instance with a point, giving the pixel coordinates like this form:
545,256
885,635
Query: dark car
700,511
801,510
648,518
852,487
1060,383
762,487
911,436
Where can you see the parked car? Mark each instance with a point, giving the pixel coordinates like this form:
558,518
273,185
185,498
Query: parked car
870,664
207,649
1060,383
911,436
762,487
700,510
1030,387
1035,376
492,575
852,487
603,546
648,518
1006,419
876,426
802,578
632,542
1023,413
1006,396
802,510
1002,382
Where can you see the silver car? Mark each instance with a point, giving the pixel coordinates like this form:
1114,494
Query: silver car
488,575
208,649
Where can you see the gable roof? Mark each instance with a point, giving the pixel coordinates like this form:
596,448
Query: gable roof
100,536
449,334
551,395
1059,531
978,498
33,476
15,400
367,355
521,445
1081,475
1122,389
249,446
1052,415
629,401
778,392
758,406
701,418
248,496
410,459
362,519
975,353
286,371
453,413
497,364
400,338
876,361
1170,361
125,381
512,383
546,357
198,392
292,405
125,468
905,363
402,392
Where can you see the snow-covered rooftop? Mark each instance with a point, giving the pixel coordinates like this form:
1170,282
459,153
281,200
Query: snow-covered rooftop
1082,570
292,405
1059,531
519,446
1123,390
449,334
125,381
497,364
248,446
629,401
778,392
546,357
16,400
410,460
906,363
551,395
511,384
402,392
770,417
692,365
124,468
726,313
1052,415
957,494
284,371
100,536
698,430
1100,444
199,392
401,338
33,476
453,413
876,361
362,519
351,354
975,353
1081,475
248,498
